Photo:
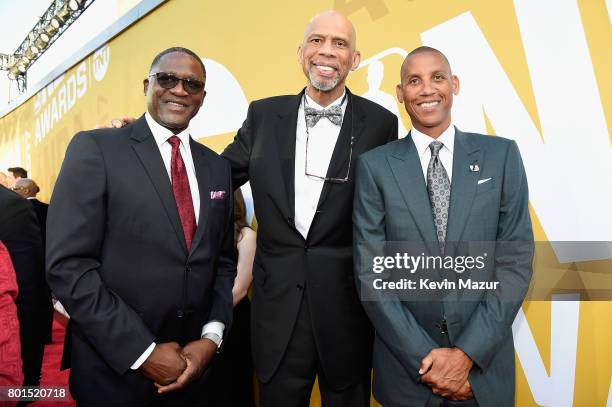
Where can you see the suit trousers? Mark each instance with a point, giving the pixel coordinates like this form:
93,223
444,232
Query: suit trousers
291,385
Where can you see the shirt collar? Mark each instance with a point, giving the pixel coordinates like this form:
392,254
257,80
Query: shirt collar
162,134
312,103
422,141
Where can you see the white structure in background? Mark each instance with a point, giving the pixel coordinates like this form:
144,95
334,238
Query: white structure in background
225,108
570,163
376,74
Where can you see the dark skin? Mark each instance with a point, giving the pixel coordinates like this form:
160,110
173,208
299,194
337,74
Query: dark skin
197,355
169,366
174,108
427,88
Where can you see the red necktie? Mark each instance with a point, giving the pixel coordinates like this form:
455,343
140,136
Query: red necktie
181,191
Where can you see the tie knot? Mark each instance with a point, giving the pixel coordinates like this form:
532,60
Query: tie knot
435,147
174,141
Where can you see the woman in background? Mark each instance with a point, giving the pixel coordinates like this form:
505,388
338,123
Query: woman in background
11,373
232,376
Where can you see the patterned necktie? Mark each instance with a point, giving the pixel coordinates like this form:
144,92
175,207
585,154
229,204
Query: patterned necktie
333,114
438,187
182,192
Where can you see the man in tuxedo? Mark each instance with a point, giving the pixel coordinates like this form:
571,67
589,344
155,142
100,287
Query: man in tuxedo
20,233
28,189
444,188
297,152
140,249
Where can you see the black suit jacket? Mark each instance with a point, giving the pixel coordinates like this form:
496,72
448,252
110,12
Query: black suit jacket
20,234
263,153
117,258
41,209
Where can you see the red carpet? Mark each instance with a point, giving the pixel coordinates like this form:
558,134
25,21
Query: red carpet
51,374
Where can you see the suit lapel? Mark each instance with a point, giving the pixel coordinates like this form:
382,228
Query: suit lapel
285,135
352,126
202,171
150,157
406,167
463,185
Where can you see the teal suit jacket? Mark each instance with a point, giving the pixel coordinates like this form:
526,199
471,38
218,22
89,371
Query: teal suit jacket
391,204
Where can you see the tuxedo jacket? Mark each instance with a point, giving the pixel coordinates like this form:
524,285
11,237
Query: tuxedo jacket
263,152
117,258
488,203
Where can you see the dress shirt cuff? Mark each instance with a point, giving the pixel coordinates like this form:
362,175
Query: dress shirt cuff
143,357
214,327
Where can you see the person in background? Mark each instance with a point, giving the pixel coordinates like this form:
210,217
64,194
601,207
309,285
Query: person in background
11,370
20,233
28,189
232,379
15,173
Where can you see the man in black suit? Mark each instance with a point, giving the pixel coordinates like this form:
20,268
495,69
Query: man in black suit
20,234
297,152
140,249
28,189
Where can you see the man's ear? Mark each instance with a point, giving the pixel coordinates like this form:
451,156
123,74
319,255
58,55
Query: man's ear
398,92
145,85
356,60
203,97
299,54
455,85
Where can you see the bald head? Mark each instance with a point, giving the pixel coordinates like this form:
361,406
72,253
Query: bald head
26,188
327,55
423,50
334,20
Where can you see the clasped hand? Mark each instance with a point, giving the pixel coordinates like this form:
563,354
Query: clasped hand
445,371
172,368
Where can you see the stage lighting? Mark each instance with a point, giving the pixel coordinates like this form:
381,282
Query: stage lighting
75,4
29,54
13,73
41,44
50,30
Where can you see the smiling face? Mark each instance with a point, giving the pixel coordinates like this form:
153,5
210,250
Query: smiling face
328,52
174,108
427,90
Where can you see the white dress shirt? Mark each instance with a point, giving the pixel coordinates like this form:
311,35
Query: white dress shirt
422,142
321,144
161,135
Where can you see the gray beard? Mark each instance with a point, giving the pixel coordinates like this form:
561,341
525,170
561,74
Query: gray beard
323,86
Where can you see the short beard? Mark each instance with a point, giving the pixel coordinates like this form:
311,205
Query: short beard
323,86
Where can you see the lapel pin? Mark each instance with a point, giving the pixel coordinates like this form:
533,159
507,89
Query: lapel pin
474,168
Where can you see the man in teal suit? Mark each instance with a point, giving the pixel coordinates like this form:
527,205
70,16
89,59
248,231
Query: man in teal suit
439,186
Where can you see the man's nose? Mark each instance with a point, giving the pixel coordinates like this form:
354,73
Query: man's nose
179,89
326,48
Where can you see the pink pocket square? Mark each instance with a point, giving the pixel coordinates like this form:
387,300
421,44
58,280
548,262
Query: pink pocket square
217,194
